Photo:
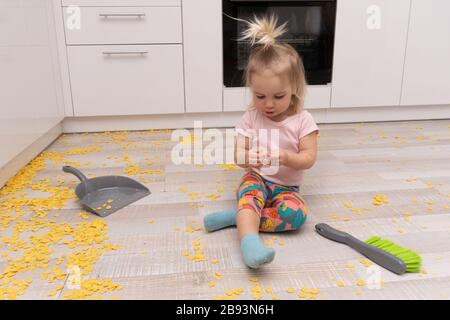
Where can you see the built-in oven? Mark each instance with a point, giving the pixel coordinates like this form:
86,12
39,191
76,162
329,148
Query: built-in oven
310,30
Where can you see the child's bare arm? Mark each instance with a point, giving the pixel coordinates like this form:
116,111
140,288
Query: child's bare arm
305,158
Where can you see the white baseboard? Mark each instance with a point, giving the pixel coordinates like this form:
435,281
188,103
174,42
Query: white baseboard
21,160
229,119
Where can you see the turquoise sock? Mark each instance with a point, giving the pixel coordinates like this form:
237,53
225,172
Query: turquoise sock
255,253
219,220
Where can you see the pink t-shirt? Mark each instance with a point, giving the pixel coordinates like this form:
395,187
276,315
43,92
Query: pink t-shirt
290,131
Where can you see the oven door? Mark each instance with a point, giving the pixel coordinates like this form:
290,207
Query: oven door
310,30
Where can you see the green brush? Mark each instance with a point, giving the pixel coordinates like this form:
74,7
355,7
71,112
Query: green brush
383,252
410,258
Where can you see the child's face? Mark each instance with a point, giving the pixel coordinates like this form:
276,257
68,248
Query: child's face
271,94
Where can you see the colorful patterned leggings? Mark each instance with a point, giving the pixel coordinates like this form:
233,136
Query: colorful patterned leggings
281,208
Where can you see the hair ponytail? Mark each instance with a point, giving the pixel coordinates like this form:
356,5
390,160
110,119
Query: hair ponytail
263,31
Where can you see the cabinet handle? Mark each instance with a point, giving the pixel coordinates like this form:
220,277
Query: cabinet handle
106,15
124,52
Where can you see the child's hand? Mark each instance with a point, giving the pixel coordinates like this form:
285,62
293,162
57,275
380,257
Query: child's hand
273,158
254,159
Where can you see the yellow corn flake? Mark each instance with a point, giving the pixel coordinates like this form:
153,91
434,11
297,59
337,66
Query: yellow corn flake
109,201
211,284
303,295
83,215
269,289
268,243
151,221
366,263
360,283
340,284
229,293
253,279
214,261
275,297
290,290
238,291
380,199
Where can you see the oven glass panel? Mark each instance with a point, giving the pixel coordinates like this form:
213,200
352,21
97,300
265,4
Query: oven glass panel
310,30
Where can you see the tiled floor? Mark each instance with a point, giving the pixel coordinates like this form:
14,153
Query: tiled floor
159,238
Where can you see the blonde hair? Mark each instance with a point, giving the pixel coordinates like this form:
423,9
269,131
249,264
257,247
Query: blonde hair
268,53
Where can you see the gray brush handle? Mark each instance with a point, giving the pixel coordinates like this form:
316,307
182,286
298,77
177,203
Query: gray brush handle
377,255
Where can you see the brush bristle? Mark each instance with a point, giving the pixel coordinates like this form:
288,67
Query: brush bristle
410,258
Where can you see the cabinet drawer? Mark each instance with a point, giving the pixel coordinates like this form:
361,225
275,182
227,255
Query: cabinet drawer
122,25
126,80
118,3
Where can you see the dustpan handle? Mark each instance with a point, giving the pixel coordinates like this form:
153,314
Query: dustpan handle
75,172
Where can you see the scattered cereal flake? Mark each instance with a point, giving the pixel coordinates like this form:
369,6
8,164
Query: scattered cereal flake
211,284
290,290
340,284
360,283
268,243
83,215
366,263
379,200
303,295
238,291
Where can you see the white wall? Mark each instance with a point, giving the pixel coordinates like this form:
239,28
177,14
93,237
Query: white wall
30,84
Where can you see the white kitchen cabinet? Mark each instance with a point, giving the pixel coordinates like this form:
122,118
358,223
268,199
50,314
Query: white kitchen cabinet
427,63
121,3
126,80
369,52
30,85
202,30
123,25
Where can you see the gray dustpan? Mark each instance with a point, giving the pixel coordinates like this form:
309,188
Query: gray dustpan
106,195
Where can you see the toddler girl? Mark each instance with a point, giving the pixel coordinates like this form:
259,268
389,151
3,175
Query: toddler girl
276,141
